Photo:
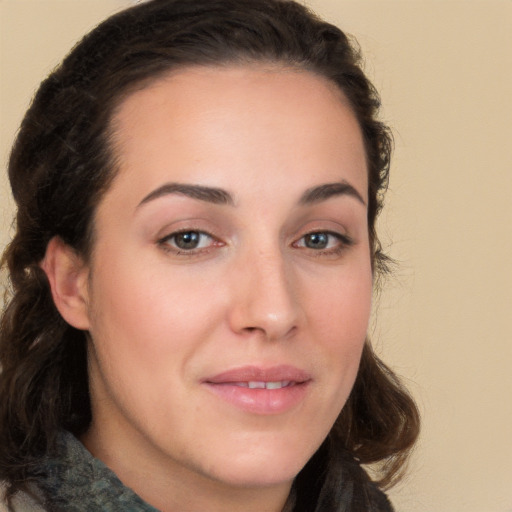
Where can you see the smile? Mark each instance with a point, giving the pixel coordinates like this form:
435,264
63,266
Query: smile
262,391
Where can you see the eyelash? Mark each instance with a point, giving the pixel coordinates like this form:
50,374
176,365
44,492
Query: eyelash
166,241
343,243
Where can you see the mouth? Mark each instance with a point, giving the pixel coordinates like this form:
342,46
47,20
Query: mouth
263,391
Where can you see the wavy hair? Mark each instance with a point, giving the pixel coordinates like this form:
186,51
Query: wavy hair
61,165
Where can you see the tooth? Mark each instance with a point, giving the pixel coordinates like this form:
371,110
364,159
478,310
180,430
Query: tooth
274,385
253,384
242,384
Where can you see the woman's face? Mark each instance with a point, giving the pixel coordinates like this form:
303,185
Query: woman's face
230,285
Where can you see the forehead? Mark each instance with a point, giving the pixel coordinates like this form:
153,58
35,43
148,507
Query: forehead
223,125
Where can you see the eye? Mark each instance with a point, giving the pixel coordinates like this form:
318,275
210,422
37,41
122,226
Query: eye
317,240
187,240
326,241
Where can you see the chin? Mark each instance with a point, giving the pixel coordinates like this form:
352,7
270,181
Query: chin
262,468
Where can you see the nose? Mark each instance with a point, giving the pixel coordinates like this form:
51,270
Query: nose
265,298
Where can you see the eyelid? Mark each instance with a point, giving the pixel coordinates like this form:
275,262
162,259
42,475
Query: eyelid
340,236
344,242
164,242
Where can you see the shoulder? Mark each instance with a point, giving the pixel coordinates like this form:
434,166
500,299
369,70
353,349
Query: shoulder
20,502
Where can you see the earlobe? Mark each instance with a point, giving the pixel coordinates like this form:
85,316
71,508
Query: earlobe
68,277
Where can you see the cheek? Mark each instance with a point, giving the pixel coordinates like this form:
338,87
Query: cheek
146,316
342,308
340,317
145,333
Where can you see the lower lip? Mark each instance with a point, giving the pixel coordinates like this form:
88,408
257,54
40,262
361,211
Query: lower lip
261,401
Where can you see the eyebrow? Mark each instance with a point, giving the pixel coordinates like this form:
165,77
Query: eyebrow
208,194
324,192
220,196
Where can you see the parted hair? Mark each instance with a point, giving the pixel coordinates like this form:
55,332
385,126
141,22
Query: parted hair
61,164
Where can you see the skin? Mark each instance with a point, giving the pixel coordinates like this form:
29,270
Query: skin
256,291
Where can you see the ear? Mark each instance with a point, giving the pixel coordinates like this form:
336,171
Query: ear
68,277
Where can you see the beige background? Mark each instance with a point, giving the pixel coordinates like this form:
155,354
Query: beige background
444,69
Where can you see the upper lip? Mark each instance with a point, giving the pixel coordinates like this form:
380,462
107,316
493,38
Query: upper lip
252,373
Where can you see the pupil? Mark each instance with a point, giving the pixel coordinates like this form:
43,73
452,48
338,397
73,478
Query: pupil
188,240
316,241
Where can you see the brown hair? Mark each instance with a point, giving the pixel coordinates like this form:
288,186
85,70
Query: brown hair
61,165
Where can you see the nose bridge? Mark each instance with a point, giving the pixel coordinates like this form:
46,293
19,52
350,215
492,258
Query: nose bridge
266,301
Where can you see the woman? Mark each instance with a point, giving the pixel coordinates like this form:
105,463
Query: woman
197,187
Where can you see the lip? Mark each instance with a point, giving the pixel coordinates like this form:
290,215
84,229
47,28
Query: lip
231,386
